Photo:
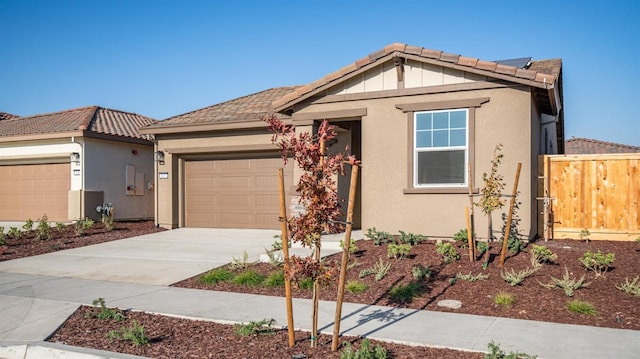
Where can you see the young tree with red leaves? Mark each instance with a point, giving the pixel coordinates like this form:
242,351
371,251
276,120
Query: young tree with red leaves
318,193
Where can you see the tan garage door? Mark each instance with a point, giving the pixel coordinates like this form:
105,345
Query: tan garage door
29,191
234,193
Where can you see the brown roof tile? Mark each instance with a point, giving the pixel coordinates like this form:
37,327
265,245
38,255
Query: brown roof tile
539,71
576,146
445,56
506,69
247,108
7,116
467,61
93,118
486,65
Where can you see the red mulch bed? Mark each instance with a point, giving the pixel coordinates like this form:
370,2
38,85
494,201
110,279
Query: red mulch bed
176,338
533,302
182,338
26,245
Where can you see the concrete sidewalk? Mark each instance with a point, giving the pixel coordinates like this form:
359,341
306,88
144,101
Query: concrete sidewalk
33,305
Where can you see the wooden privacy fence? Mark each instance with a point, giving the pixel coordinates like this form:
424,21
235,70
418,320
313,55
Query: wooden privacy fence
599,193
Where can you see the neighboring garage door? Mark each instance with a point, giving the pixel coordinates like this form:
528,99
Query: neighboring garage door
234,193
29,191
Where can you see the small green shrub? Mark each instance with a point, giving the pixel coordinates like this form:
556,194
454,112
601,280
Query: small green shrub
262,327
135,334
411,238
630,287
581,307
379,238
447,251
568,284
504,299
496,353
421,272
584,234
3,236
365,352
471,278
462,238
81,226
275,279
380,269
28,225
398,251
216,276
404,293
249,278
542,254
14,232
105,313
597,262
43,230
60,226
353,247
514,278
638,239
240,263
108,222
515,245
482,247
355,287
305,283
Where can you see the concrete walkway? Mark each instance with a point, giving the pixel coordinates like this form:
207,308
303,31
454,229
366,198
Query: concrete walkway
33,305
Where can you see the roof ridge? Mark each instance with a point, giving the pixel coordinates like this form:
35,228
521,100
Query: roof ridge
125,112
86,122
58,112
601,142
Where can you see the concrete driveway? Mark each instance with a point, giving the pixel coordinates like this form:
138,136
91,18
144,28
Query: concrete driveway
160,258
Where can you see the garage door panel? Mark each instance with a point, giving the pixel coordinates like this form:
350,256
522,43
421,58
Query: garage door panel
29,191
244,193
229,182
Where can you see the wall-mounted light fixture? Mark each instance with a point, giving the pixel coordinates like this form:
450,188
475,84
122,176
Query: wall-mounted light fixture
159,156
75,157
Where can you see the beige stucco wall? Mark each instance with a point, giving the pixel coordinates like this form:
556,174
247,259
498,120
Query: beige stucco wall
104,165
386,142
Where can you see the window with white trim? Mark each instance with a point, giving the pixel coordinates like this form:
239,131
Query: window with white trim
441,148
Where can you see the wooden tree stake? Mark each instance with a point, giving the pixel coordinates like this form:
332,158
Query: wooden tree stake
285,257
470,229
507,231
469,236
346,245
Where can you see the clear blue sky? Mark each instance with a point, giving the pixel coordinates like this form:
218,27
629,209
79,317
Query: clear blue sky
163,58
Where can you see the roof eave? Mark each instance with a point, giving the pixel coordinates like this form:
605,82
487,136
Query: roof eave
209,127
41,136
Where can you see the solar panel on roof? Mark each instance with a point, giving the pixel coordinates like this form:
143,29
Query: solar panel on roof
521,63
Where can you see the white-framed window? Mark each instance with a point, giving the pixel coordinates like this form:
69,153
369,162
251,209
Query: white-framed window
441,148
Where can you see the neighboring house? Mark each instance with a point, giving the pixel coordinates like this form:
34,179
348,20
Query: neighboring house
65,164
7,116
584,146
417,118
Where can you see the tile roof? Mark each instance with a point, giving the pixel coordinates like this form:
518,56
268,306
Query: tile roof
578,146
7,116
540,73
93,118
247,108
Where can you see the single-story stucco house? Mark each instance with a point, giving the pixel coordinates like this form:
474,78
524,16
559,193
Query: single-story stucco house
417,118
65,164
